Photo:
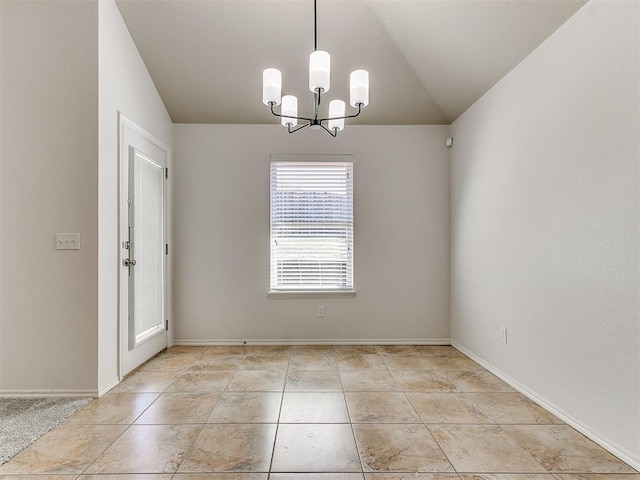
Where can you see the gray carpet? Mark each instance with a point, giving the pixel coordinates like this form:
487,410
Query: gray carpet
25,420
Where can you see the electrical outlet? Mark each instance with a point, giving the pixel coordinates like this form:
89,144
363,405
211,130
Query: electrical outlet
503,334
321,310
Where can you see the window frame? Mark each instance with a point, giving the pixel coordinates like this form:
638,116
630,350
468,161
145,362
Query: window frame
309,293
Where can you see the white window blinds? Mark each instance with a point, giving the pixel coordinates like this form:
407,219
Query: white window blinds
312,225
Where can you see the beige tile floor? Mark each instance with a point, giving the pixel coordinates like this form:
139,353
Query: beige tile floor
314,412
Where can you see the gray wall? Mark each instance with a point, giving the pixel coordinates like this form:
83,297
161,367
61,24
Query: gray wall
49,184
58,309
221,228
545,225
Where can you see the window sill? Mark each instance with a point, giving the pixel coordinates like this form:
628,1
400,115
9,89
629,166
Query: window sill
311,293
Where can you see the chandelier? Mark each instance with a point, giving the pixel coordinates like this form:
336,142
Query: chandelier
319,81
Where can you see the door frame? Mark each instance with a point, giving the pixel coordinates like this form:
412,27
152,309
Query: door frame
125,123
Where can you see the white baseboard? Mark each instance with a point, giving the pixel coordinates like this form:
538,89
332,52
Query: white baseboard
621,453
342,341
48,393
106,389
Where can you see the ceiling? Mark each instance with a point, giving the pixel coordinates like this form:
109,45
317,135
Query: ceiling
428,60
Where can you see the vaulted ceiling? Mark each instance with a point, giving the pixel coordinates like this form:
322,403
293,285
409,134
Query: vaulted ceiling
428,60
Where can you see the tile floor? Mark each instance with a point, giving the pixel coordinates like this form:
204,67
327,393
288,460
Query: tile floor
314,412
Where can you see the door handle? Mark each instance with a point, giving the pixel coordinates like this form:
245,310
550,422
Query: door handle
129,263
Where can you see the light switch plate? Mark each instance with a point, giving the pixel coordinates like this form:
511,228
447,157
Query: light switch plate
67,241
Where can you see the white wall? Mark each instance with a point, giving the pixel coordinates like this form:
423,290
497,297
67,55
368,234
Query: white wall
221,228
125,86
49,163
545,225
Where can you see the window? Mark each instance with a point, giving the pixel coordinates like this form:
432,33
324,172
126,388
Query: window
312,224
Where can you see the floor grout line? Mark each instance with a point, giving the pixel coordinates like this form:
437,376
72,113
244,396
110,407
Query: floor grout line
275,437
353,432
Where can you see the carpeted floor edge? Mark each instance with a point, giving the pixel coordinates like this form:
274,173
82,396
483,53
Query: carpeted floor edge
25,420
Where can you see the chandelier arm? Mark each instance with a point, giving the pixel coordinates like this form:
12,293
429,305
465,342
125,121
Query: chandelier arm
298,128
333,134
271,104
340,118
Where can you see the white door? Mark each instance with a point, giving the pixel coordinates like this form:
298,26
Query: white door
143,162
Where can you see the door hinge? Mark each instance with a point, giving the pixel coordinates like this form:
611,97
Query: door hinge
166,249
166,172
166,325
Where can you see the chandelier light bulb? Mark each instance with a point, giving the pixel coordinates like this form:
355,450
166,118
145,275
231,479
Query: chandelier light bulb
319,71
336,109
289,107
271,86
359,86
